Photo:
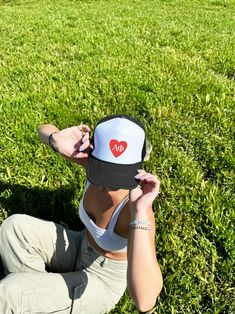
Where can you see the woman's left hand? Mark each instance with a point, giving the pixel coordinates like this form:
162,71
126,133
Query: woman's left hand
73,143
144,195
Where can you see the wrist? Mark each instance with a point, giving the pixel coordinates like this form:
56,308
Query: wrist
51,141
143,224
140,213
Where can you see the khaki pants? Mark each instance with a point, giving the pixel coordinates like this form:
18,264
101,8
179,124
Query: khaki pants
51,269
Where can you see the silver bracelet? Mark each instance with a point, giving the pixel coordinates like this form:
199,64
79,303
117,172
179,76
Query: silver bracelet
140,222
140,227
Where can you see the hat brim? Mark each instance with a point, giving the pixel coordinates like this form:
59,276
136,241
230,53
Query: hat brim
112,175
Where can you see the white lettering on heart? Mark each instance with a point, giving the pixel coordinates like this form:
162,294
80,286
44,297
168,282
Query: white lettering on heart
119,148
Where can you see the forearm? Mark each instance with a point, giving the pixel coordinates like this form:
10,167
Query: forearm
44,132
144,275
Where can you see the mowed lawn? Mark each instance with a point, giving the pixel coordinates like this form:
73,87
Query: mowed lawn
170,63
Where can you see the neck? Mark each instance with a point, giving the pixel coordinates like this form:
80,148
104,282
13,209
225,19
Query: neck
115,194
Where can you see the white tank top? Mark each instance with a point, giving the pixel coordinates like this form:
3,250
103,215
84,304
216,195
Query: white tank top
107,239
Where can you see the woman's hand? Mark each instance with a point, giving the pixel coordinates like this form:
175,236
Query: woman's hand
73,143
143,196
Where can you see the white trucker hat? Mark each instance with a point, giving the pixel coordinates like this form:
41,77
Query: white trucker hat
119,150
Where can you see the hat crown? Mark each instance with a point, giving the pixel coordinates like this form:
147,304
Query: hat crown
119,140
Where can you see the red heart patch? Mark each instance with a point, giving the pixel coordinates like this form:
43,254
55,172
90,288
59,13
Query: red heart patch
117,148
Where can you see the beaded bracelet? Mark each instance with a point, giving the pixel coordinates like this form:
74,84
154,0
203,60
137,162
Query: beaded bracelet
140,227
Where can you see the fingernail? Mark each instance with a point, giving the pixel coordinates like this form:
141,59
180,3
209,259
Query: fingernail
81,149
137,176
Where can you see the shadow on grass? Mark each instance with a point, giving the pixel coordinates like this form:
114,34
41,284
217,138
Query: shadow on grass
55,205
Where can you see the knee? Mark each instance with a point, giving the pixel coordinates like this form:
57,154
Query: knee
10,226
11,223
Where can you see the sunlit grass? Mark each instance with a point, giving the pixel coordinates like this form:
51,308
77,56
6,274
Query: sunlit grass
169,63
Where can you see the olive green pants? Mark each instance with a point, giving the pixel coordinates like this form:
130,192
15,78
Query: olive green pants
51,269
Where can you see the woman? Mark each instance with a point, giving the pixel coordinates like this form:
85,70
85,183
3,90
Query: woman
56,270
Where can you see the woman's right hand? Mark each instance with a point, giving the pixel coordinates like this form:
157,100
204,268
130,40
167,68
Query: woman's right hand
72,143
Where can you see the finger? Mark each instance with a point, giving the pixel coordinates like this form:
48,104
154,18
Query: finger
149,179
141,171
77,159
81,155
84,128
84,140
84,146
85,137
135,193
141,174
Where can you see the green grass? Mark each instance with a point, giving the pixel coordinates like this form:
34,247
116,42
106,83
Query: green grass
171,63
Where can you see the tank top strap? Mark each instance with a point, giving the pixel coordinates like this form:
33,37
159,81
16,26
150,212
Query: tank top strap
87,185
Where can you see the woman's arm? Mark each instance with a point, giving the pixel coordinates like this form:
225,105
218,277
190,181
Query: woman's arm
144,277
72,143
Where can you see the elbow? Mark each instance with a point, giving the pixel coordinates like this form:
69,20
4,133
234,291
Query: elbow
147,303
39,129
145,306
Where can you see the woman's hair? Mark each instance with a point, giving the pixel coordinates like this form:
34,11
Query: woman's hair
148,150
